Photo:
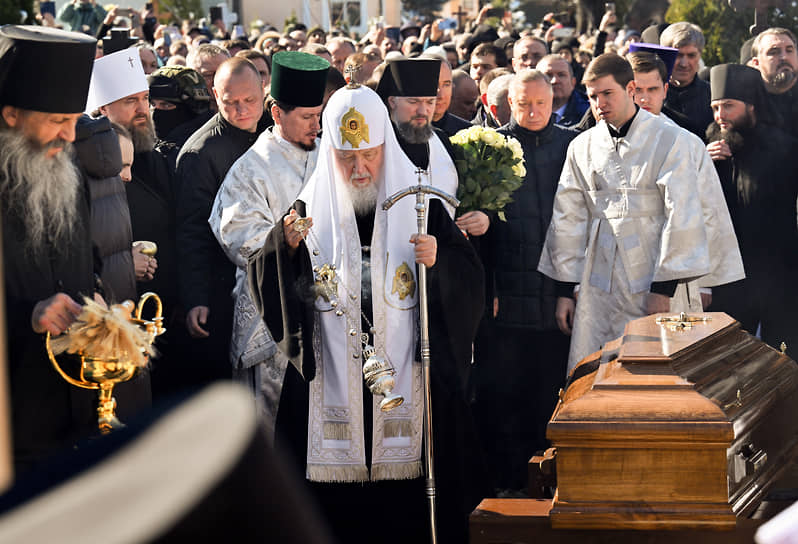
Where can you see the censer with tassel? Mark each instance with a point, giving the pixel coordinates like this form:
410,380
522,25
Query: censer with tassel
112,344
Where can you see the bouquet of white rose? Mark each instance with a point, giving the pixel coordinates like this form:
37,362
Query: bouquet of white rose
491,168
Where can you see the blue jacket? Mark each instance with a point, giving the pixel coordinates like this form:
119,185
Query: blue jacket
577,105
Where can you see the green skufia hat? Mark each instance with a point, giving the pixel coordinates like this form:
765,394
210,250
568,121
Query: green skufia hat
298,79
45,69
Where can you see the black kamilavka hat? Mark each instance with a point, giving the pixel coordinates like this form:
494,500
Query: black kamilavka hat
118,39
737,82
410,77
299,79
45,69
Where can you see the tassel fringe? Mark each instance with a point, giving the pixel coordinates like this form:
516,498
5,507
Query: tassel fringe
337,473
396,471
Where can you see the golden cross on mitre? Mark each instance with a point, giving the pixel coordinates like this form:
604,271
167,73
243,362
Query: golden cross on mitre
350,72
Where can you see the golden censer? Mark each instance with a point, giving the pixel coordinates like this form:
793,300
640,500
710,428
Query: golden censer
103,373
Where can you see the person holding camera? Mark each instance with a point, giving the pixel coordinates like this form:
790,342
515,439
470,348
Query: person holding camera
83,16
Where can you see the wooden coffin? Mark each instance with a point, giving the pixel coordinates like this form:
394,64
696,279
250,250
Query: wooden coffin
673,426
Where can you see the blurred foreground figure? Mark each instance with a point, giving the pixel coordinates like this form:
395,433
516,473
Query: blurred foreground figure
198,469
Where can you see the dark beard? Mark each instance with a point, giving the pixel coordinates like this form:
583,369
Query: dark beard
143,136
413,134
41,190
734,136
782,79
306,147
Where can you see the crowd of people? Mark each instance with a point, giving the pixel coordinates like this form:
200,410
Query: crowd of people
257,165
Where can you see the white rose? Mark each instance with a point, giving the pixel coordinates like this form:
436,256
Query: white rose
516,148
493,138
474,133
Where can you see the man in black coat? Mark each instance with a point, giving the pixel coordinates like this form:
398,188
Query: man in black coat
570,104
531,350
447,122
180,106
207,276
775,56
757,169
48,264
99,156
688,94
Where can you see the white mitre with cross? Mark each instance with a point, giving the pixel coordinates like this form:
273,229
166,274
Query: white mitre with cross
116,76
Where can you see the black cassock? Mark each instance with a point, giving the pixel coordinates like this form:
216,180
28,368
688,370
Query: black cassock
49,414
46,411
386,511
759,183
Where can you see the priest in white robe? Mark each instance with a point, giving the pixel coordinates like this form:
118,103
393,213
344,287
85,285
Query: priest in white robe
258,188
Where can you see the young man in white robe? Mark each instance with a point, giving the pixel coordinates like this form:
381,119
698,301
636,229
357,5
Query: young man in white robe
258,189
628,225
651,65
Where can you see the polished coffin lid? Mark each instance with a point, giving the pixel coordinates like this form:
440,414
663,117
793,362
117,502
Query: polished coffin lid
674,425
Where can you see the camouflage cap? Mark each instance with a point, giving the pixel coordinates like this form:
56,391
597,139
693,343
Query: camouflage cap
180,85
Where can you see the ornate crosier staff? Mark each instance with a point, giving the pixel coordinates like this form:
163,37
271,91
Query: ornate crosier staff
421,217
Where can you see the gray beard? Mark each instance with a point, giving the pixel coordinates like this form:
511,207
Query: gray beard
143,136
413,134
42,191
364,199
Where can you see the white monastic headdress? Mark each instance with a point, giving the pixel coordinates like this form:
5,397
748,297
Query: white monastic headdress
116,76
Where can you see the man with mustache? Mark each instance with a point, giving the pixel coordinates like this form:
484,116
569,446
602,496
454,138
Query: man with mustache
409,88
628,225
47,260
119,91
256,192
756,165
774,55
348,280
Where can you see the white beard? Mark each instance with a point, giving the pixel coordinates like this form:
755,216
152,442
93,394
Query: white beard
364,199
42,190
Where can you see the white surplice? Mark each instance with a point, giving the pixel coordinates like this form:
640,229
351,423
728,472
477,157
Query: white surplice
257,191
629,211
